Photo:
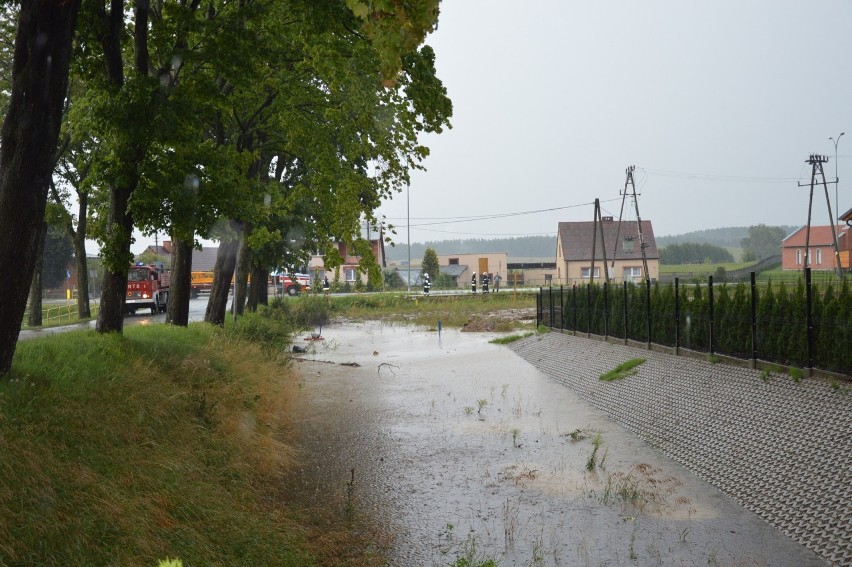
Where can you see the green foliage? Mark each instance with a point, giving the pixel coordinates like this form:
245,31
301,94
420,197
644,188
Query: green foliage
623,370
763,241
430,264
510,338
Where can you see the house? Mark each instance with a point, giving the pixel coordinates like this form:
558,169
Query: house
462,266
203,260
820,247
350,270
575,240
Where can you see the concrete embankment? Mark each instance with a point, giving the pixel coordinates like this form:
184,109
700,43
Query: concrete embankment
781,448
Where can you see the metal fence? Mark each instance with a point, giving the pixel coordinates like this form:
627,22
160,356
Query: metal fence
804,325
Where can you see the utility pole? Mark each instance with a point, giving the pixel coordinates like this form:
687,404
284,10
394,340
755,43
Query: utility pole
629,181
597,224
816,161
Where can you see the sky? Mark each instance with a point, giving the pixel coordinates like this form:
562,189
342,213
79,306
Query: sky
717,103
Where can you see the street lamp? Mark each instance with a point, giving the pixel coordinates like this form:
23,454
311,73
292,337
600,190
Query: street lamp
408,229
836,179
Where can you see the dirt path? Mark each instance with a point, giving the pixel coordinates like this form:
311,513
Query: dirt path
462,448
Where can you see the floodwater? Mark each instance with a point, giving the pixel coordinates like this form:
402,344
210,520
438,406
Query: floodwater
460,448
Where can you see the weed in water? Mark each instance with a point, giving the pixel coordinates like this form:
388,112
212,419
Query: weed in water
468,410
504,390
515,434
470,557
623,370
577,434
481,404
592,463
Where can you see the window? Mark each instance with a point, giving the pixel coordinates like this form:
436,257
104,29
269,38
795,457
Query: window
349,274
819,256
586,271
799,257
454,261
632,272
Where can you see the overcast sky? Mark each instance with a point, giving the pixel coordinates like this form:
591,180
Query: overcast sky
717,103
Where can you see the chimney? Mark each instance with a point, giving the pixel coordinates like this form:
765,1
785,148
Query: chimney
167,246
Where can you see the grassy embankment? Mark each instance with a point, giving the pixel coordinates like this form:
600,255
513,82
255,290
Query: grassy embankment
164,442
499,311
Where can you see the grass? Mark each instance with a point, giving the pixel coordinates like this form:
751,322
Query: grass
623,370
451,310
510,338
705,269
161,442
54,315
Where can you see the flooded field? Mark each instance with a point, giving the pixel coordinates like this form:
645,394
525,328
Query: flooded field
461,449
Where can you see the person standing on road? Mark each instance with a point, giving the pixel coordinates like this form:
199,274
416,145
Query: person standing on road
485,281
473,282
497,279
427,284
325,284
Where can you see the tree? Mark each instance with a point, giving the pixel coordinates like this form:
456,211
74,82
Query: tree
762,242
430,264
27,145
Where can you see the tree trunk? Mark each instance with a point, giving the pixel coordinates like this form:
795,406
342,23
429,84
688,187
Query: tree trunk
27,146
36,287
181,286
223,272
117,260
242,273
78,237
258,294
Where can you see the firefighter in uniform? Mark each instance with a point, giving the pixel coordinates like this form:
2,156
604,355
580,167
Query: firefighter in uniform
485,281
473,282
427,284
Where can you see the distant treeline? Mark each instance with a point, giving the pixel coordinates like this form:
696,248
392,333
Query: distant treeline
692,253
545,246
519,247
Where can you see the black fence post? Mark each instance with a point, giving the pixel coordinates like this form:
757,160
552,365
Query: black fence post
625,312
648,302
710,292
606,310
550,297
574,307
810,322
677,315
538,302
753,321
561,309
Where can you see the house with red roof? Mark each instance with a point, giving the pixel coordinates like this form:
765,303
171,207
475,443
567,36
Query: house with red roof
575,241
820,246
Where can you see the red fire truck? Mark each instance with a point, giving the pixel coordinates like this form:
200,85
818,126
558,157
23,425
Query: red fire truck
147,287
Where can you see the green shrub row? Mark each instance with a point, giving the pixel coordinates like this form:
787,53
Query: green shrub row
780,323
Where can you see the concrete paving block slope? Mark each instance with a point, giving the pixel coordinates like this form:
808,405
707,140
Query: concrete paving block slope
781,448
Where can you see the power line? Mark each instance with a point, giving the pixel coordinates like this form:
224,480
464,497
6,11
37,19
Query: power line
454,220
715,177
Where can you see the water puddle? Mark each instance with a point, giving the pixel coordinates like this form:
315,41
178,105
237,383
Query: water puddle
460,445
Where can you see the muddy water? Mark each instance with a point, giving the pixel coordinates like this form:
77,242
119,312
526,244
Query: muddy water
460,448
